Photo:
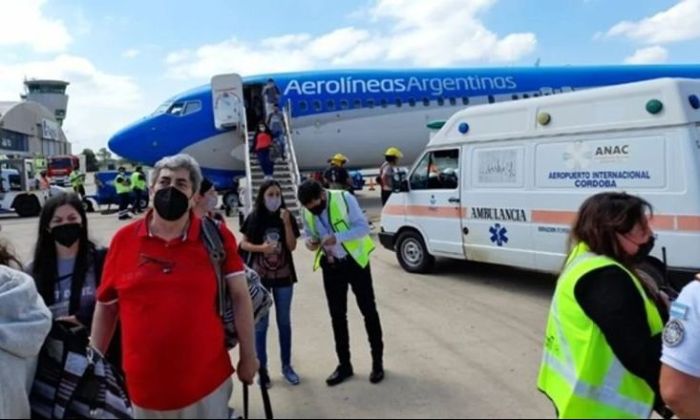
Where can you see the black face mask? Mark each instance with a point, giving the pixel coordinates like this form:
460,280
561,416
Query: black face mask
645,249
67,235
171,204
318,210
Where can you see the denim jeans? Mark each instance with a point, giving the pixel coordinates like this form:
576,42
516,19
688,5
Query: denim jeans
283,307
267,166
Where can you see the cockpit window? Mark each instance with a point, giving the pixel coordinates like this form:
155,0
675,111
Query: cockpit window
177,108
163,107
192,107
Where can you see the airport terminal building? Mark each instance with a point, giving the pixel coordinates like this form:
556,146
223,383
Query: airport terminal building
33,126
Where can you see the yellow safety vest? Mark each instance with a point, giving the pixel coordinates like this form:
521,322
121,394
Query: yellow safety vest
77,179
358,249
579,371
137,183
122,187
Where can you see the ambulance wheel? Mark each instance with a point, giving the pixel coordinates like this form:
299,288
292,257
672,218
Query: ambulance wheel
88,206
413,254
27,206
143,203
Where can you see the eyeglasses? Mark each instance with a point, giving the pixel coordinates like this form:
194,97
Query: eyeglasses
166,266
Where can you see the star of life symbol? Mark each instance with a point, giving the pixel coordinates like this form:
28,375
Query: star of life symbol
578,155
499,234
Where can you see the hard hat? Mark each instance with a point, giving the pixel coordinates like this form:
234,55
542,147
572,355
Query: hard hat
393,152
338,157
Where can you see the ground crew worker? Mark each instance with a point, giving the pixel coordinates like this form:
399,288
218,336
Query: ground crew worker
339,233
77,181
387,170
138,184
603,337
336,177
122,184
680,373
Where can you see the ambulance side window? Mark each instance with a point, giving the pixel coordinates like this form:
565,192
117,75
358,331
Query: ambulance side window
438,170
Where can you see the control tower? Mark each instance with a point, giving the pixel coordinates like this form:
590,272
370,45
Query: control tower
50,93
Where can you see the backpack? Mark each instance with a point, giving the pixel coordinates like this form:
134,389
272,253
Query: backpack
75,381
260,297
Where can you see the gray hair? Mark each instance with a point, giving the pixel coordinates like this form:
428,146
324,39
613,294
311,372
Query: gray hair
177,162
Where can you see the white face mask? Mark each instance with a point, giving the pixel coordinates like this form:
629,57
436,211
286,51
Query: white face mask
273,204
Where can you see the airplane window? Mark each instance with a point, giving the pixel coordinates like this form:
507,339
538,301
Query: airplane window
526,96
176,108
344,104
453,101
163,108
384,103
399,103
370,103
412,102
192,107
536,95
514,97
303,106
426,102
465,101
441,101
330,104
492,99
357,103
318,106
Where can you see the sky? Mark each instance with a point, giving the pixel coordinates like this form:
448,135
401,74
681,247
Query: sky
123,58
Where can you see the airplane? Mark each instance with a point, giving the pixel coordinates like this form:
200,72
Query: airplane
359,113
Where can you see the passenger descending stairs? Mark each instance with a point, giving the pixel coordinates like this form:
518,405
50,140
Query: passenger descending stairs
286,173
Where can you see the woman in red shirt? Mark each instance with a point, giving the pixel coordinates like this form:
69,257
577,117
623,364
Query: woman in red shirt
263,146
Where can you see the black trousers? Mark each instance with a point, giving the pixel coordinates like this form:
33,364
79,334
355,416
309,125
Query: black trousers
80,190
385,196
336,279
124,201
138,195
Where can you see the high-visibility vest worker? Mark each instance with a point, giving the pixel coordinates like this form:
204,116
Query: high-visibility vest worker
138,181
580,372
122,183
359,249
77,178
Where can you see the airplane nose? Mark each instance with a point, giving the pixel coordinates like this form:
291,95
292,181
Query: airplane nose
117,144
125,143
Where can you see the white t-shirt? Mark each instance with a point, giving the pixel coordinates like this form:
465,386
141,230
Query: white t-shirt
386,171
681,336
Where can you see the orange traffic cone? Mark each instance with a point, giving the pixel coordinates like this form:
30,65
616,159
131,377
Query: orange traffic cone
372,184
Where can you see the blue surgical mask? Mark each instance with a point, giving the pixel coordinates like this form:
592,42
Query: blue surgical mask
273,203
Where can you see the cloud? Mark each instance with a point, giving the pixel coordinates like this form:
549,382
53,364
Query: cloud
100,103
679,23
22,23
651,55
131,53
394,32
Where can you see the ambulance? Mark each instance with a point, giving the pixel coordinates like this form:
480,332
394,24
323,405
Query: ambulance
502,183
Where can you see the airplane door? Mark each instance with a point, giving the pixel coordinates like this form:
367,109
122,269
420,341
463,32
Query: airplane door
434,201
227,97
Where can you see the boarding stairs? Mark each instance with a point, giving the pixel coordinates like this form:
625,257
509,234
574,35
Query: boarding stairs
286,172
